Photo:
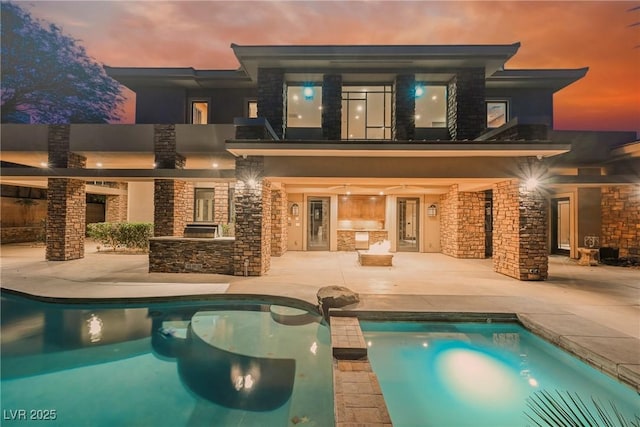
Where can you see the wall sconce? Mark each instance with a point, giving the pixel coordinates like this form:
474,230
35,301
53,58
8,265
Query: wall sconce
432,210
295,210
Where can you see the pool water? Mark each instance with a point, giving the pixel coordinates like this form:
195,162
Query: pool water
470,374
183,364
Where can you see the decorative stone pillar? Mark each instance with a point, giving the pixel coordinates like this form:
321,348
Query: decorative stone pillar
271,98
404,107
66,200
116,206
332,106
462,233
279,218
466,110
621,219
173,199
520,231
252,253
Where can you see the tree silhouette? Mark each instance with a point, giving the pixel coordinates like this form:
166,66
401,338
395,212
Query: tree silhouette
47,77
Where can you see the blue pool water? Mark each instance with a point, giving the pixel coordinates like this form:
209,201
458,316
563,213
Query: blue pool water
470,374
183,364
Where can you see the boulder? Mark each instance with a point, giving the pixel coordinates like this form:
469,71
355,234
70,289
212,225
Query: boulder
335,297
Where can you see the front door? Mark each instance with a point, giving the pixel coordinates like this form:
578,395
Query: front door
408,224
560,227
318,225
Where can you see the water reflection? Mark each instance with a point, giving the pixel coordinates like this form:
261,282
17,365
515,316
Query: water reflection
39,338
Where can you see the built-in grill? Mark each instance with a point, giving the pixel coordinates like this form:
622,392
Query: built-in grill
201,230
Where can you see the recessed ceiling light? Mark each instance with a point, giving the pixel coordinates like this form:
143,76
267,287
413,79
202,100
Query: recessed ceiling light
98,164
44,164
215,165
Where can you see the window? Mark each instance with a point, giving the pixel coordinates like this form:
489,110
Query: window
304,106
366,112
431,106
252,109
203,210
497,113
199,112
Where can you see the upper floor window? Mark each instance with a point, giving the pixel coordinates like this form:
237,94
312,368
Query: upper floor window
431,106
203,209
497,113
366,112
304,106
199,112
252,109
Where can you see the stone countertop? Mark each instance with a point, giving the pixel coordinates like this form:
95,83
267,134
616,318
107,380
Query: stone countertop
195,239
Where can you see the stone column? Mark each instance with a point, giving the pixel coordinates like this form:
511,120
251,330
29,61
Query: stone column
404,108
253,218
171,209
466,110
221,203
462,232
271,98
332,106
66,200
621,219
520,231
116,206
279,217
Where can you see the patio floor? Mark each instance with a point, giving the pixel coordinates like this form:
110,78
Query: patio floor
592,311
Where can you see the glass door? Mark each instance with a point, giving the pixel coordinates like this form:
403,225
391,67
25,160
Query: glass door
318,225
408,224
560,227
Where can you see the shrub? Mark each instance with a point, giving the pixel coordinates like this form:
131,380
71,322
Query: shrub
131,235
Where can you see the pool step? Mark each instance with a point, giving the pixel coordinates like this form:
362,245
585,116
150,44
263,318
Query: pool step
347,341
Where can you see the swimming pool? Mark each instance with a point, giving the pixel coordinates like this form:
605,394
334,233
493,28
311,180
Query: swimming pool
227,363
472,374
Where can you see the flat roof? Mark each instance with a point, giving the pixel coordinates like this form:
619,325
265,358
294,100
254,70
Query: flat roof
366,57
555,79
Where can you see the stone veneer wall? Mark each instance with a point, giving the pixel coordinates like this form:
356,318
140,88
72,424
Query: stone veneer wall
220,203
173,199
116,206
253,217
184,255
519,231
347,238
404,108
332,106
466,110
21,234
66,200
621,219
279,214
271,98
462,232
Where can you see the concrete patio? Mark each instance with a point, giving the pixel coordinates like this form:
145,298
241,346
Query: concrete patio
592,311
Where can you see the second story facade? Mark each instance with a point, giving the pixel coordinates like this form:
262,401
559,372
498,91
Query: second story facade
356,93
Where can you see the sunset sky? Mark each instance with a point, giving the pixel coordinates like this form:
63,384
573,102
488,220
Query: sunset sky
557,34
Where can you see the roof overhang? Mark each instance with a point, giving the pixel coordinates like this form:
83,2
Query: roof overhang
535,79
380,58
389,149
186,78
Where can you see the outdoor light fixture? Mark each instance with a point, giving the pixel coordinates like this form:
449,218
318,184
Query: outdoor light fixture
215,165
44,164
532,183
99,164
307,92
295,209
419,91
432,210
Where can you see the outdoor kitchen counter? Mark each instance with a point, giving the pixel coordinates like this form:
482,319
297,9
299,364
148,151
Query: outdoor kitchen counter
347,237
